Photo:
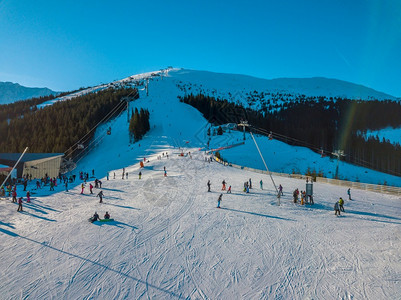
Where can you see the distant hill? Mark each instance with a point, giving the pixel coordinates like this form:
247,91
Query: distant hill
11,92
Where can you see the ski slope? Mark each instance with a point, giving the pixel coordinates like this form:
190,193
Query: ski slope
169,241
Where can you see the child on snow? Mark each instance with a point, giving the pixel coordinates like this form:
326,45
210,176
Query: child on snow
337,208
219,200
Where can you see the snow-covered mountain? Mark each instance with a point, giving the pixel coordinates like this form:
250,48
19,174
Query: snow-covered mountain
183,125
169,241
11,92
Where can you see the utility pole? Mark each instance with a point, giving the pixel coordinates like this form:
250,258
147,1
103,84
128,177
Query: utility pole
338,153
245,123
9,174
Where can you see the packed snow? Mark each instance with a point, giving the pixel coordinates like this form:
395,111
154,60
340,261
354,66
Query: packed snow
169,241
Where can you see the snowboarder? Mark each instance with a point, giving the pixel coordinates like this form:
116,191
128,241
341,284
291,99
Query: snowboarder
95,217
223,188
349,194
82,188
261,184
100,195
208,185
219,200
20,204
28,196
337,208
229,190
106,215
341,204
91,188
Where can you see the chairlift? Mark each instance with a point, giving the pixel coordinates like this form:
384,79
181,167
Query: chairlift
80,146
109,131
270,135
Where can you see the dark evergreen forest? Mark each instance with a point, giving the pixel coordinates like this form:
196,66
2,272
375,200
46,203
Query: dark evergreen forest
139,124
57,127
327,125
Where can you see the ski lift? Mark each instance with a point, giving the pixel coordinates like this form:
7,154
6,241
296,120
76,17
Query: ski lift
322,153
109,131
80,146
270,135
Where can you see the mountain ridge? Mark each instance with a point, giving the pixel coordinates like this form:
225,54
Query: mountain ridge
11,92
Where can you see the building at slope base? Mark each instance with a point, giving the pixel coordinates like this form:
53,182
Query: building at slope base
35,164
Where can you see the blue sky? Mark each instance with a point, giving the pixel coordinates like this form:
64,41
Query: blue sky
65,45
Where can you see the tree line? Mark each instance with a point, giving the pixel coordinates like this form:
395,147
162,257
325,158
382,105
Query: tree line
320,124
57,127
139,124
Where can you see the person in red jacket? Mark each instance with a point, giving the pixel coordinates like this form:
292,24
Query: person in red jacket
14,194
20,204
28,196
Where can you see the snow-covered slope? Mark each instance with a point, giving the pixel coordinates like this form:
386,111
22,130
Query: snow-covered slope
11,92
169,241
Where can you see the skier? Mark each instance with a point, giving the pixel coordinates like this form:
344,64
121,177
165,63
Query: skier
25,184
219,200
229,190
100,195
51,185
14,193
96,183
250,183
82,188
107,175
140,174
28,196
341,204
66,185
38,184
93,172
126,175
295,195
106,215
95,217
114,177
349,194
337,208
91,188
208,185
165,172
261,184
100,184
20,204
280,189
223,188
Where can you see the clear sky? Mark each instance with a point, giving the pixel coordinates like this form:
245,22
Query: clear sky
65,45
